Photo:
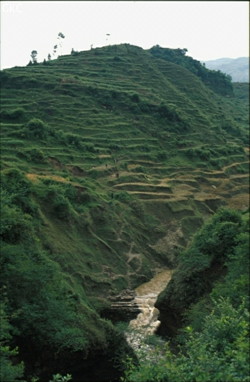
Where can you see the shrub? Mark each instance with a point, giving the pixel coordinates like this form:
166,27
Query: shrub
122,196
59,377
168,112
14,224
36,128
202,153
60,204
19,189
135,98
36,155
9,371
90,147
73,140
61,207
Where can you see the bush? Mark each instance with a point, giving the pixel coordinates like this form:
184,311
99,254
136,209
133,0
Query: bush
16,185
59,200
15,225
36,128
122,196
90,147
73,140
168,112
61,207
199,153
59,377
9,371
36,155
135,98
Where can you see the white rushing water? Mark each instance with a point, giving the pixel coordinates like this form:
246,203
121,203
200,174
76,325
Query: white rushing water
146,323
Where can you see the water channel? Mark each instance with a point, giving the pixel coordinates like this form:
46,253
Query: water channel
146,323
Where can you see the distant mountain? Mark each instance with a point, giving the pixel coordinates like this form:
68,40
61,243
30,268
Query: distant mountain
237,68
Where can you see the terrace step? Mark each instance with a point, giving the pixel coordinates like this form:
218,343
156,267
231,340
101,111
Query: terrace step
143,187
152,195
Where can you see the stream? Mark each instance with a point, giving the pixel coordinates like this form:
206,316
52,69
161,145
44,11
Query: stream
146,323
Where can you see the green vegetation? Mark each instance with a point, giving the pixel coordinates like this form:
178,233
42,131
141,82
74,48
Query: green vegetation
111,160
204,260
213,344
215,79
39,303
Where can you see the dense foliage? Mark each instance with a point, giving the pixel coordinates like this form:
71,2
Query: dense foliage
204,260
213,346
215,79
46,325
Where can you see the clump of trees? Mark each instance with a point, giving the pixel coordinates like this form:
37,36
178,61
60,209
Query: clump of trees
215,79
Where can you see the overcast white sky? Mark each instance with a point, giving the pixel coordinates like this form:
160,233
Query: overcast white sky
208,29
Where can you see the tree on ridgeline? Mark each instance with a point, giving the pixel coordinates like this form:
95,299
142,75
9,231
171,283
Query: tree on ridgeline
60,38
55,50
34,56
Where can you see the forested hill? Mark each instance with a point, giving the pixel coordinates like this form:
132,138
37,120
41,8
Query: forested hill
111,160
216,80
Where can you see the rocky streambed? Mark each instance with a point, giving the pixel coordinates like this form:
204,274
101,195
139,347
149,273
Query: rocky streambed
146,322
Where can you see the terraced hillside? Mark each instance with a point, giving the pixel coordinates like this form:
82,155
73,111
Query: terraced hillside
134,122
120,156
136,127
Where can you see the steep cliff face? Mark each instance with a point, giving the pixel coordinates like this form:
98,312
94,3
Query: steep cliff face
111,160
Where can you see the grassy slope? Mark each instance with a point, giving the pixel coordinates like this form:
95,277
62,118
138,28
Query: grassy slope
140,152
109,115
122,121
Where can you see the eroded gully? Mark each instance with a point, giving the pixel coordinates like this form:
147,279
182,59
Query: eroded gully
146,322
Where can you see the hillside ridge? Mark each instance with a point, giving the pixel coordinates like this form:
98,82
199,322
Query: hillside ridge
111,160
